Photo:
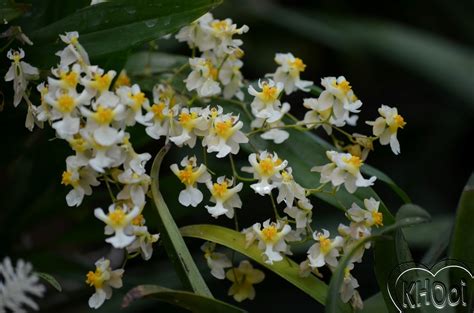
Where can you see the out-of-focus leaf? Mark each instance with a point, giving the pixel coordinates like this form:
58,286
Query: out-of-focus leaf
463,241
172,240
51,280
395,250
10,10
408,215
149,63
372,171
287,269
187,300
104,27
375,304
415,50
439,243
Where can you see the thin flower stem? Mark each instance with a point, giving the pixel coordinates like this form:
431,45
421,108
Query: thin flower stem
176,72
109,189
294,118
315,190
295,126
243,105
349,136
254,148
222,63
234,171
277,216
7,44
204,156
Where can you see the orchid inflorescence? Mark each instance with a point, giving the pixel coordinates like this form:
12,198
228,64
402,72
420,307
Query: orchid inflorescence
92,109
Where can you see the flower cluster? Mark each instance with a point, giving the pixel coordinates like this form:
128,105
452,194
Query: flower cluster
17,286
91,109
80,103
217,70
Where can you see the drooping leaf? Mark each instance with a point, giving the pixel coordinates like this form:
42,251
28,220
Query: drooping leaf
395,250
117,26
417,51
287,269
51,280
375,304
172,239
10,10
184,299
408,215
145,63
463,241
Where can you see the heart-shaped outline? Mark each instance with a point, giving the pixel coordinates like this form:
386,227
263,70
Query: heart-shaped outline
429,272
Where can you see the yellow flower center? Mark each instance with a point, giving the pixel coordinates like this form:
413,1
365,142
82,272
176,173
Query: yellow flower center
220,190
122,80
138,100
16,57
325,244
78,144
347,272
214,113
67,179
157,110
378,218
343,86
74,40
213,72
224,129
69,79
267,166
269,94
186,119
66,103
95,279
298,65
102,83
399,122
269,233
287,177
354,161
139,220
187,176
117,217
104,116
219,25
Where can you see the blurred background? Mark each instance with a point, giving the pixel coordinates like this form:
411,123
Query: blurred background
417,56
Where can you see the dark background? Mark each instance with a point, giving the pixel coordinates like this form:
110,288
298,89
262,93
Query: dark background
417,56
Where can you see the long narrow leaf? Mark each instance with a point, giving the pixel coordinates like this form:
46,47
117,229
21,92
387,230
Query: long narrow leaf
173,242
409,215
287,269
184,299
463,240
103,27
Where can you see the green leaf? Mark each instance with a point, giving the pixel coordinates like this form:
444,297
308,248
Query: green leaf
104,27
184,299
375,304
408,215
463,241
172,240
395,250
372,171
433,58
10,10
287,269
51,280
145,63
